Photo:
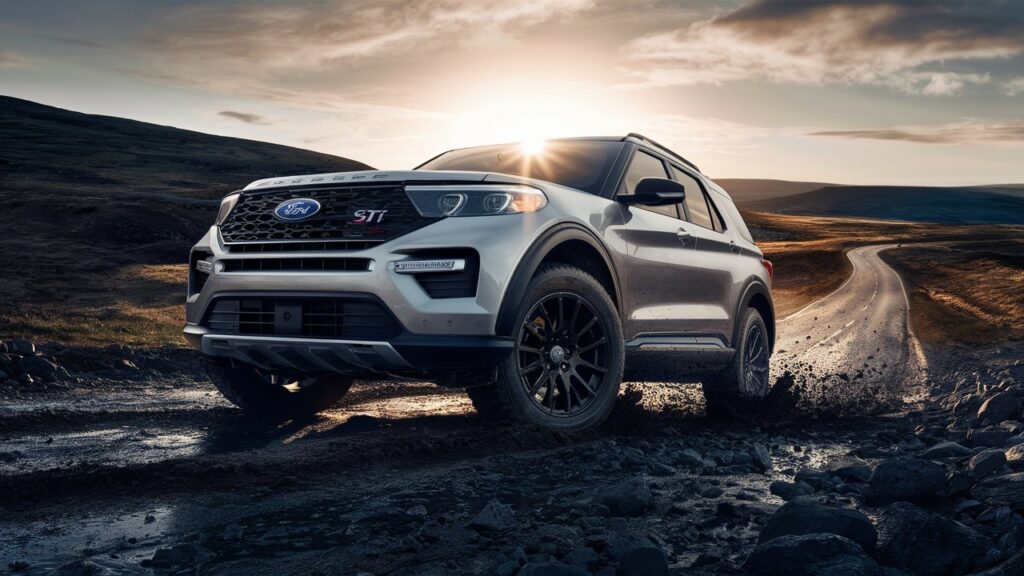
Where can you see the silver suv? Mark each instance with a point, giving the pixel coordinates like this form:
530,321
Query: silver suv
537,279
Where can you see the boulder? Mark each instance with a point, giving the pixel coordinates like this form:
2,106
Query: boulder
850,470
789,490
1015,456
989,436
81,568
628,498
761,458
905,479
180,556
583,557
494,516
38,367
643,561
998,407
690,458
810,555
986,462
804,517
22,348
947,450
552,569
927,544
1006,490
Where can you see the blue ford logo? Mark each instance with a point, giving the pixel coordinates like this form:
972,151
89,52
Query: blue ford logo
297,209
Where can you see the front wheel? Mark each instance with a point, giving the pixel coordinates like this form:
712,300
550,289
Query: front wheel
740,388
565,371
273,397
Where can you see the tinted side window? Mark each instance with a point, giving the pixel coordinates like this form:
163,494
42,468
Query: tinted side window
643,165
716,217
700,214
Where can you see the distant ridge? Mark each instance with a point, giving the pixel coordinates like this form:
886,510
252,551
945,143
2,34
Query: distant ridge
1000,204
144,191
746,190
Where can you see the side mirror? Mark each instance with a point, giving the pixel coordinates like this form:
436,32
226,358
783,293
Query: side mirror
654,192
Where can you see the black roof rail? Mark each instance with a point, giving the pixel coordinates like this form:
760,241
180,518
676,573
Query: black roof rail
663,148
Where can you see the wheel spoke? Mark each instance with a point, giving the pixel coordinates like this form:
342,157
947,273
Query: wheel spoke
586,327
540,382
575,314
592,345
583,382
530,350
594,367
561,313
532,367
568,393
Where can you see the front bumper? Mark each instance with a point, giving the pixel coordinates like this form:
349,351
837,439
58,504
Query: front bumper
406,354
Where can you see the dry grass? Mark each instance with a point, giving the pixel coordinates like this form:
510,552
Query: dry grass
965,283
965,292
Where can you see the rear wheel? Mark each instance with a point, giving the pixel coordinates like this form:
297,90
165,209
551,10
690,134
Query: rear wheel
740,388
273,397
566,368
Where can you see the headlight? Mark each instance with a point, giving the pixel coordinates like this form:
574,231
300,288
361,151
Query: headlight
475,200
226,205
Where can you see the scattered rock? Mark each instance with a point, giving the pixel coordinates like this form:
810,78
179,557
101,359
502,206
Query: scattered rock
811,555
660,469
179,556
81,568
1007,490
643,561
999,407
495,516
804,517
22,348
927,544
628,498
38,367
789,490
761,458
690,458
551,569
947,450
584,558
905,479
986,462
1014,455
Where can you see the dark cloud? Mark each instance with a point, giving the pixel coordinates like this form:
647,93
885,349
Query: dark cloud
244,117
963,133
933,48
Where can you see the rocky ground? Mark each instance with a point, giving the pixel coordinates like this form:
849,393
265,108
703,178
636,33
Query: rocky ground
119,461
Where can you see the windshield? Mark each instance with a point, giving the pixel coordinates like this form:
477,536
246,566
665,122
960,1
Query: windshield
580,164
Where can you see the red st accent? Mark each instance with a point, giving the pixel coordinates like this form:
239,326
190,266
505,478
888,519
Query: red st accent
769,267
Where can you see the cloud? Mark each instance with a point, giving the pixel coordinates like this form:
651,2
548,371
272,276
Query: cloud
1011,133
244,117
1014,86
10,59
907,46
332,34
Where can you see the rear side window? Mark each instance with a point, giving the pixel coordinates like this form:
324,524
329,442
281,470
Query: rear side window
643,165
700,213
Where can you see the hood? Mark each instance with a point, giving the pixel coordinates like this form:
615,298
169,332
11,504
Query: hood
364,176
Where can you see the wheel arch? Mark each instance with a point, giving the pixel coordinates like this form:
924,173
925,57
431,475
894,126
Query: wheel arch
566,243
757,295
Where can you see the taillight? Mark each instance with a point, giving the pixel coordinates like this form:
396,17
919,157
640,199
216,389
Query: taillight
768,267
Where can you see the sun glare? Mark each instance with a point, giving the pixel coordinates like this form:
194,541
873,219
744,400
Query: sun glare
532,146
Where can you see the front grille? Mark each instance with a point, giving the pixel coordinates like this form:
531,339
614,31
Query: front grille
274,247
253,220
298,265
343,318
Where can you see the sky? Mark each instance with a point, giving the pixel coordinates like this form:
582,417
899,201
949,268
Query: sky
845,91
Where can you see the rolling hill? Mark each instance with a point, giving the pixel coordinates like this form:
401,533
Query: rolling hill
747,190
953,205
99,213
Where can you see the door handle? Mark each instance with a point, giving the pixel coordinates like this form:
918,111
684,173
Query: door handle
684,236
733,247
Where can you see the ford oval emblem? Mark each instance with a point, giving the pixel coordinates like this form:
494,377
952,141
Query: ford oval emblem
297,209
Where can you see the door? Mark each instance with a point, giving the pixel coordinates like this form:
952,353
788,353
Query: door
715,255
663,271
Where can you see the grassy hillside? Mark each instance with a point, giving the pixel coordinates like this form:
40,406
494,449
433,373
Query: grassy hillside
747,190
98,212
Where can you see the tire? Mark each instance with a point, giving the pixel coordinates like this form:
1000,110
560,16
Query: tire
565,371
741,387
260,395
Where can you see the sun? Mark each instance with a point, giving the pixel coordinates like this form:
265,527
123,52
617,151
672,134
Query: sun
532,145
